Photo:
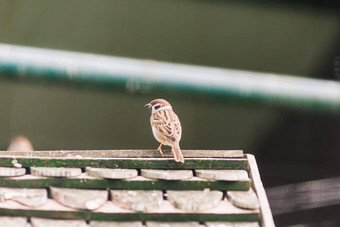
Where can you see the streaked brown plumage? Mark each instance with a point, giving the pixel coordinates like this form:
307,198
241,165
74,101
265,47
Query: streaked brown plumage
166,127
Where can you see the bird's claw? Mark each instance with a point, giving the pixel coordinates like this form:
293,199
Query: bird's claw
160,151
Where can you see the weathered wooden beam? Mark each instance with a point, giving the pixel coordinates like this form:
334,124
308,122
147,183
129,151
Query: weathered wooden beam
266,214
125,153
109,212
127,163
138,183
87,215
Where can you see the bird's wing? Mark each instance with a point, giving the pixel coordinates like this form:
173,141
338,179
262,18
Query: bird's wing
167,123
177,125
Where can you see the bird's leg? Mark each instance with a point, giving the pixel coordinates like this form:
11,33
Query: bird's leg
160,150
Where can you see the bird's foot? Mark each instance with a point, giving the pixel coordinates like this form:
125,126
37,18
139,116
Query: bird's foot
159,149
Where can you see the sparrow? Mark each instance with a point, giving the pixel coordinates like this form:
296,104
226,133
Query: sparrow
20,143
166,127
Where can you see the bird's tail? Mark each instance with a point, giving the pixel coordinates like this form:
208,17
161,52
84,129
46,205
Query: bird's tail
177,153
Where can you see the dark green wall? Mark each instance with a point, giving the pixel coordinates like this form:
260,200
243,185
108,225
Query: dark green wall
57,117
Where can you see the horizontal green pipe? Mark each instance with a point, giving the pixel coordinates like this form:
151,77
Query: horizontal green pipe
148,75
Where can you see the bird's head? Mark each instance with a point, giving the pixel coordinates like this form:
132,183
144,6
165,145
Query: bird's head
158,104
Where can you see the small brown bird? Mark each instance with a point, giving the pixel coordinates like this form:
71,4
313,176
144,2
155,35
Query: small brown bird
20,143
166,127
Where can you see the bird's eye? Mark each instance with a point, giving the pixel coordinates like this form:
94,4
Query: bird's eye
157,107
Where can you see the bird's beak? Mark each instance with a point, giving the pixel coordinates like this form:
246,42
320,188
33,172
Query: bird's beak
148,105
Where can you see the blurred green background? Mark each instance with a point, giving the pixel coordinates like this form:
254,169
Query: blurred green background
294,38
283,38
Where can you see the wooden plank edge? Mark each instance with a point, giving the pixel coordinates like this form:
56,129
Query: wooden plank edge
135,216
128,163
125,184
125,153
266,213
